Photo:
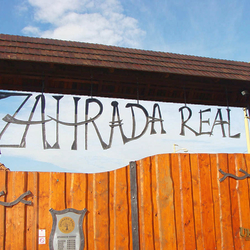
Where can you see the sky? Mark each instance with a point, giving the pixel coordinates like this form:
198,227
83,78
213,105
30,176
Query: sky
215,29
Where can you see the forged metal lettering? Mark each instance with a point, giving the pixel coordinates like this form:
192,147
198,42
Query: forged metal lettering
229,129
118,123
234,176
115,122
58,98
183,123
5,95
10,119
218,120
157,120
88,101
204,121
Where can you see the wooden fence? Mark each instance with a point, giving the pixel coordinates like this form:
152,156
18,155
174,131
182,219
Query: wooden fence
181,202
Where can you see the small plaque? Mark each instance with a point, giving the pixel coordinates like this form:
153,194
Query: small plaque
42,240
41,233
67,230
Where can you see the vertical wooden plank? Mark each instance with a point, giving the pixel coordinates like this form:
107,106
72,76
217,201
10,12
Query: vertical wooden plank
32,212
76,196
240,200
90,216
203,201
118,210
181,174
3,187
146,234
15,216
163,203
196,201
222,202
44,217
98,216
76,191
112,203
51,195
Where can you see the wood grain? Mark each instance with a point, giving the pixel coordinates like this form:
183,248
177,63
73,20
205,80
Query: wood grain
98,216
181,204
239,199
184,217
118,210
163,205
15,216
222,203
145,204
2,209
32,212
203,201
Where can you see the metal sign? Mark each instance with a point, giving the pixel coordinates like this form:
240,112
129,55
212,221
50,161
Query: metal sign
67,229
116,121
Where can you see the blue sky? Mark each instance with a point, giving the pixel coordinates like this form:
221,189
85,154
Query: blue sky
217,29
211,28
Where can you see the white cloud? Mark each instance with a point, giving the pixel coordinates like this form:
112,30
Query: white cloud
35,31
98,21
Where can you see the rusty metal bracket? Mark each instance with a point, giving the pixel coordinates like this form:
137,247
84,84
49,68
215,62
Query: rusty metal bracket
134,205
19,199
234,176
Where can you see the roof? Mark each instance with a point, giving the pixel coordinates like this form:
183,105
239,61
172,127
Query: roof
76,53
55,66
3,168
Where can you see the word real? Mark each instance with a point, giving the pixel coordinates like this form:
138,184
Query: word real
116,121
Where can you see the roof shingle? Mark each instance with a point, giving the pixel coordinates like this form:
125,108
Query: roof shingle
76,53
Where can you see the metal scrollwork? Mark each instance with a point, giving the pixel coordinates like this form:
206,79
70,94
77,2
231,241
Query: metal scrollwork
19,199
234,176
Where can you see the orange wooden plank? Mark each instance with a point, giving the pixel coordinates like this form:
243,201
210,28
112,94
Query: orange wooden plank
196,201
76,196
57,186
76,191
3,187
222,202
145,204
163,203
89,244
15,216
44,217
32,212
118,207
112,210
239,200
203,201
51,195
98,214
181,174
